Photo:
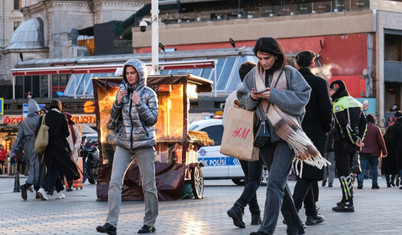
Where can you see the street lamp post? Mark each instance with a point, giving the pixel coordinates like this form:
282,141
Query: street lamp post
155,36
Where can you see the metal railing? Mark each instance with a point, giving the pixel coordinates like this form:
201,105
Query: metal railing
266,11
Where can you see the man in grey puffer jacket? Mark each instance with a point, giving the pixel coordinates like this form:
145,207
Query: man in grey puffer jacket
137,105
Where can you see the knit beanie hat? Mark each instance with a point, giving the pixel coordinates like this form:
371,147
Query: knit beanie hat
340,89
33,107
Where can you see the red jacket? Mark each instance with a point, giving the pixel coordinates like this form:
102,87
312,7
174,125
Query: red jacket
3,155
374,142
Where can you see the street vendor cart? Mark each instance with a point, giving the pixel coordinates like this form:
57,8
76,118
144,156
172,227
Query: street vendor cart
177,148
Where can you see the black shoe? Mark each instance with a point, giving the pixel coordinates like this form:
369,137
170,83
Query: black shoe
316,219
24,189
236,213
69,190
330,185
302,223
375,186
324,182
388,185
107,228
257,233
344,207
256,219
147,229
359,185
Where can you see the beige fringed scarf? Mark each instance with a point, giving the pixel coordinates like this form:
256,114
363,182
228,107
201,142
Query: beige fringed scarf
287,128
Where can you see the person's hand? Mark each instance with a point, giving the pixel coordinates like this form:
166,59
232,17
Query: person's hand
360,144
255,95
120,95
136,98
384,155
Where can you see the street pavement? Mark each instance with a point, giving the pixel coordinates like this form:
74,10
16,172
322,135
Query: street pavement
376,212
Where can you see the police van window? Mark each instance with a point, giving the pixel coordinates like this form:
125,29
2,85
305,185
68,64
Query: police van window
215,133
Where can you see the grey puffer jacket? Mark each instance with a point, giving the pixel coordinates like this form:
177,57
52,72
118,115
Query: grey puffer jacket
137,129
292,101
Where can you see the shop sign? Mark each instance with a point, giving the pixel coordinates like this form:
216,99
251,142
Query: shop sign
14,120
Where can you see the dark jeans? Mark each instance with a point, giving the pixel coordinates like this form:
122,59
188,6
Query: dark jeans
53,179
304,192
253,173
278,158
367,159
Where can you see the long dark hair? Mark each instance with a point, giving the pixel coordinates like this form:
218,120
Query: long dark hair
271,46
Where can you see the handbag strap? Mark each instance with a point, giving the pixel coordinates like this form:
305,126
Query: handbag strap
33,133
276,83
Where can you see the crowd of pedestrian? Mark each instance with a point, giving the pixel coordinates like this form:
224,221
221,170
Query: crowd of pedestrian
46,171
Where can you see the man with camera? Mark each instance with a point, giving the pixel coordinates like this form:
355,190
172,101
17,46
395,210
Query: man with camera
137,107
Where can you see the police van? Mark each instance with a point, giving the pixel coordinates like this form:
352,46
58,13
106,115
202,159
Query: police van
217,165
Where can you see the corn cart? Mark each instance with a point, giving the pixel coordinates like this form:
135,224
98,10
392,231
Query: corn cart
177,148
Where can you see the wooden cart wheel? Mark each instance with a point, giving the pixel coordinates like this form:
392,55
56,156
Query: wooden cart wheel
197,182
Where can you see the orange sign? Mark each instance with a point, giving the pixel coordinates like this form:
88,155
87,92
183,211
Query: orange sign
89,107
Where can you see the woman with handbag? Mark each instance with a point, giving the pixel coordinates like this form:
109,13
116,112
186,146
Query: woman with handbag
57,153
278,93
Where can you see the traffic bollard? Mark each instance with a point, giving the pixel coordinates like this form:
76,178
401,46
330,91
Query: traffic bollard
17,182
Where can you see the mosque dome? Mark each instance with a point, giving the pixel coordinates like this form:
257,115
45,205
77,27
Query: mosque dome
29,35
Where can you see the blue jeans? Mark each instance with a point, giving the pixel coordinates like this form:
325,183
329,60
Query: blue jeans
367,159
278,158
253,173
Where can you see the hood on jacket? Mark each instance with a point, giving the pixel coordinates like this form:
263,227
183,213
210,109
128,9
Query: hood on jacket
141,70
33,107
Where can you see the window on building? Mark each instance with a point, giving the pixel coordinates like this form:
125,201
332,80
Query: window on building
17,4
16,24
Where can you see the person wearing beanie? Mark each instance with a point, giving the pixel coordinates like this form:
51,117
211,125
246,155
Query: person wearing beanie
26,134
316,124
350,128
273,86
374,147
396,140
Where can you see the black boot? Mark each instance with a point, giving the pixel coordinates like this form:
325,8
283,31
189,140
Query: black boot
375,186
359,184
387,179
236,213
255,219
70,186
24,189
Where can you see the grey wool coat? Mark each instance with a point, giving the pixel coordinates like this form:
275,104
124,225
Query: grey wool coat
292,101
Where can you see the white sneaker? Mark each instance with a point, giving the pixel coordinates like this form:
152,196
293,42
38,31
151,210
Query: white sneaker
60,195
42,194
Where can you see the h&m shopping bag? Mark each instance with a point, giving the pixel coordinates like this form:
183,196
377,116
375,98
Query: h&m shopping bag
238,136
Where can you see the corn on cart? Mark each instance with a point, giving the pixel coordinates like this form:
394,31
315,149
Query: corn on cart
177,148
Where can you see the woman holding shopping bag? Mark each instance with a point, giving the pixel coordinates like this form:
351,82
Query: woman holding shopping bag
279,93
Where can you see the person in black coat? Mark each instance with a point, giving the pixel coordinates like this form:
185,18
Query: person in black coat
396,146
58,158
316,124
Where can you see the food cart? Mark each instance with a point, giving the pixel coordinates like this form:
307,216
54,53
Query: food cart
177,148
